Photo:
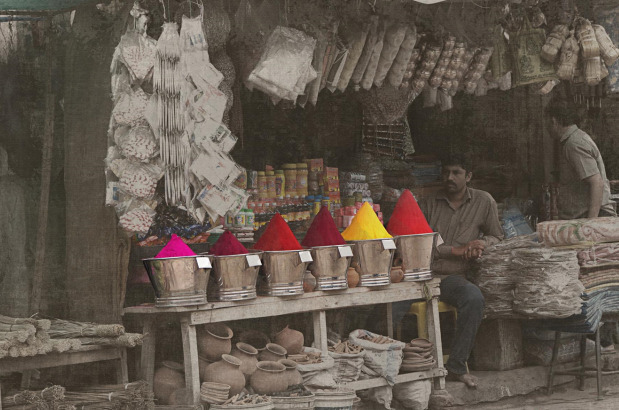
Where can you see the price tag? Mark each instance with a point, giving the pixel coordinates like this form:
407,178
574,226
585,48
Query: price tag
345,251
439,240
305,256
203,262
253,260
388,244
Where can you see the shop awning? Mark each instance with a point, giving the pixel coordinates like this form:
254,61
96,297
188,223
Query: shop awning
33,7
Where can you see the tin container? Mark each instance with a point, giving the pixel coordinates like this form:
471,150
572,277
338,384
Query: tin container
372,259
330,266
179,281
417,254
283,272
234,276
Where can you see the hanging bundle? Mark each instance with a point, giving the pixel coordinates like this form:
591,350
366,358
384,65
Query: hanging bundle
529,66
608,50
568,59
554,41
477,69
586,37
456,83
453,67
443,62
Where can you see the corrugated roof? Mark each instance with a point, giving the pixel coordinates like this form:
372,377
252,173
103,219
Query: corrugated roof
40,6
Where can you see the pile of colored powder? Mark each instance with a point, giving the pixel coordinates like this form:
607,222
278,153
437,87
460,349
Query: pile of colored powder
277,237
175,248
407,218
227,244
323,231
365,225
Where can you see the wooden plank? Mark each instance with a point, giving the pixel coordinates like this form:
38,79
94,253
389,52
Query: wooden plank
273,306
20,364
434,335
320,331
333,299
147,355
122,373
190,356
401,378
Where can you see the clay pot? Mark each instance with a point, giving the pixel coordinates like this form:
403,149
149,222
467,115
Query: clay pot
309,282
293,376
352,277
168,378
273,353
269,377
202,365
226,371
397,274
255,339
290,339
248,355
179,397
214,340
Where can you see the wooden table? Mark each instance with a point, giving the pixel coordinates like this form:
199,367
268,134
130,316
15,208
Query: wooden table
318,303
85,354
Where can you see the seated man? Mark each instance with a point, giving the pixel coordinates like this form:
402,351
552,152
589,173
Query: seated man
467,220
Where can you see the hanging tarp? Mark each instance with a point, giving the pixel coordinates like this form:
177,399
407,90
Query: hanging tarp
40,6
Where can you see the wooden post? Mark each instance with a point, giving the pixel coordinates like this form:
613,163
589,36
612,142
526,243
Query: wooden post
147,362
190,356
320,331
46,173
434,335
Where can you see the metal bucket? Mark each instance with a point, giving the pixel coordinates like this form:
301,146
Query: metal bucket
330,266
234,276
372,258
283,272
179,281
417,254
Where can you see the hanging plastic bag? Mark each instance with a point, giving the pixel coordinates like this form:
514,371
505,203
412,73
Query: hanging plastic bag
500,62
137,144
526,46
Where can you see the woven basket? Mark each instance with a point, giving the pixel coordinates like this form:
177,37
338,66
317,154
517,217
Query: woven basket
586,37
568,59
554,41
608,51
593,71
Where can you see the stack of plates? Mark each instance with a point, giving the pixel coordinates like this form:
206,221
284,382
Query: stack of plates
214,393
417,356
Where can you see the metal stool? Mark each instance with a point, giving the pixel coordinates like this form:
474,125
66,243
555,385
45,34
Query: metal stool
419,310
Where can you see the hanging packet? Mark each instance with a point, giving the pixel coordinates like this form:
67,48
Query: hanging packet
526,46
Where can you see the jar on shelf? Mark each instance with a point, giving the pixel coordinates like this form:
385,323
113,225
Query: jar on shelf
290,172
270,176
262,185
302,173
280,184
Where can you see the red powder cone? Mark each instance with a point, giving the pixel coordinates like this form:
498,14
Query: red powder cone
227,244
322,231
407,218
278,237
175,248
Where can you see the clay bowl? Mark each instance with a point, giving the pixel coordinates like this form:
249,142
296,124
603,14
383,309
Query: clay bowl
421,343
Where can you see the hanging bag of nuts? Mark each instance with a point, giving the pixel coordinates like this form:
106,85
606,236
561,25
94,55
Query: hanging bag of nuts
526,47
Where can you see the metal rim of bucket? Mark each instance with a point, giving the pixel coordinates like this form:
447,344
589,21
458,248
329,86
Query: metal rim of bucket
295,288
417,276
377,279
351,244
178,257
229,296
178,301
334,283
251,252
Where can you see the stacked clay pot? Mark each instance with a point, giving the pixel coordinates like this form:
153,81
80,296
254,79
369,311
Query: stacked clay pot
248,355
255,338
290,339
226,371
293,376
269,377
214,340
272,353
168,378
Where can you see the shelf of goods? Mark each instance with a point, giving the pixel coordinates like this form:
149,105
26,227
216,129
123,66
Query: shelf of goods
318,303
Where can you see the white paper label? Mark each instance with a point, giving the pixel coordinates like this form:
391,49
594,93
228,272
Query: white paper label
203,263
345,251
253,260
388,244
439,240
305,256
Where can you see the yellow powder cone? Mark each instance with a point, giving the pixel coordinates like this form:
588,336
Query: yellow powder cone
365,225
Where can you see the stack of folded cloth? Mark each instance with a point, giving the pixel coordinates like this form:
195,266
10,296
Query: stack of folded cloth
417,356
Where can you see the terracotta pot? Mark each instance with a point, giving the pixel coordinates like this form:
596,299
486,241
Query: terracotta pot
168,378
226,371
202,365
309,282
272,353
179,397
397,274
269,377
214,340
352,277
255,339
290,339
292,374
248,355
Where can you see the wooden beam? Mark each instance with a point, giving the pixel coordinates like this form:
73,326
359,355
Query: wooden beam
400,378
20,364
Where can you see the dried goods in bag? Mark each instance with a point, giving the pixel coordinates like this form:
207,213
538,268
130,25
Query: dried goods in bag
400,63
393,40
526,46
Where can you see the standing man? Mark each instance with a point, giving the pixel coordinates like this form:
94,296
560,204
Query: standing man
468,222
584,190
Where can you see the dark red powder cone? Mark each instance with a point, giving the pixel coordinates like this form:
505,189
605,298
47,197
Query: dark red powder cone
277,237
227,244
407,218
323,231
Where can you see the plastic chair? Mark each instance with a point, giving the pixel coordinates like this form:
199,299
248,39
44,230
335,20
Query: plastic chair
419,309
